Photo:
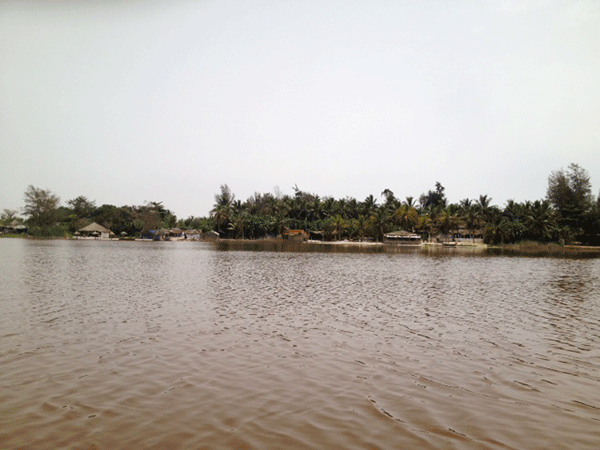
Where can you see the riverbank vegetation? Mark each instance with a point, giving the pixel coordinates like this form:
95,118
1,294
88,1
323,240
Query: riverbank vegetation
569,214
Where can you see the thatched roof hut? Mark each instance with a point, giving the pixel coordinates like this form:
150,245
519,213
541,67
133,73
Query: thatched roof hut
95,228
13,227
210,236
193,234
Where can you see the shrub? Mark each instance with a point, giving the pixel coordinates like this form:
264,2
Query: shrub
49,231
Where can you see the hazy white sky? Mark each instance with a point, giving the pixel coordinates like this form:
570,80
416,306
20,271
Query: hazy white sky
126,102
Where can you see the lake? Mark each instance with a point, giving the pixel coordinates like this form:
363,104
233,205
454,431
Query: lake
192,345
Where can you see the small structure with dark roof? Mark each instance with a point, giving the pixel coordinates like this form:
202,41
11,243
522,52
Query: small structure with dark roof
316,235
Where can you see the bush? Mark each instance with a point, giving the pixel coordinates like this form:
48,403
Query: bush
49,231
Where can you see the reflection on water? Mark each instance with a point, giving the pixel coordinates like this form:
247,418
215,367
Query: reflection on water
192,345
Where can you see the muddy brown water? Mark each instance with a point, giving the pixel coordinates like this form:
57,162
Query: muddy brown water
168,345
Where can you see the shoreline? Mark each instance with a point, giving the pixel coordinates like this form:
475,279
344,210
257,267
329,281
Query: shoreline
523,248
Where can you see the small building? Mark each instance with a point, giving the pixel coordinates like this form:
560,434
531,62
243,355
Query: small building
95,230
403,237
14,228
210,236
316,235
192,234
175,233
295,235
466,235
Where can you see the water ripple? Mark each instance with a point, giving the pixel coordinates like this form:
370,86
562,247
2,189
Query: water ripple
179,345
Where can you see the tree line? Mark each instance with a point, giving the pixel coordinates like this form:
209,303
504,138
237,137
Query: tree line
569,213
45,217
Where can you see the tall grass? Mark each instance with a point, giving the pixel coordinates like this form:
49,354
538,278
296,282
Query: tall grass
551,249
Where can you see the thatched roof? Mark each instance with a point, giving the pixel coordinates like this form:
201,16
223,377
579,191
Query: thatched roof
402,237
402,233
14,225
94,227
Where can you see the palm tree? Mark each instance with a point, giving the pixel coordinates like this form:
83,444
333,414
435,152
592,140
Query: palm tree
389,198
333,227
424,225
540,220
472,219
369,205
380,222
484,207
361,226
315,211
340,207
328,204
338,226
406,216
221,211
500,232
352,208
238,225
280,221
447,222
222,215
513,210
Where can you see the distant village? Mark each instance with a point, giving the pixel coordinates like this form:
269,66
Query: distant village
569,214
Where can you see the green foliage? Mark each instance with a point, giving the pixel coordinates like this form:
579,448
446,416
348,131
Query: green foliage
570,193
434,200
390,199
49,231
82,207
222,211
406,216
8,216
380,223
41,206
335,228
569,214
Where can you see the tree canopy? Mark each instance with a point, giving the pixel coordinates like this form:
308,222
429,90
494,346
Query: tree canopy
570,192
433,199
569,213
81,206
41,206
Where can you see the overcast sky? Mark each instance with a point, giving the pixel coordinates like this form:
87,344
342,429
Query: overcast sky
125,102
